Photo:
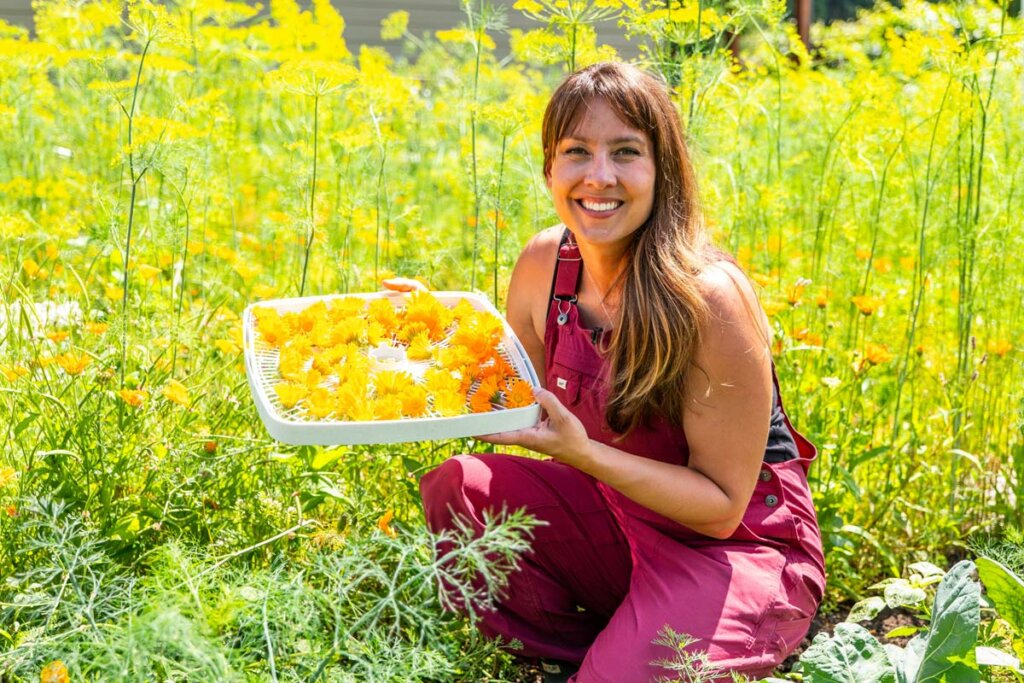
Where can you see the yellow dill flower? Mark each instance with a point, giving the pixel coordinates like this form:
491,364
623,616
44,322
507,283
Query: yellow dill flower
133,397
73,363
7,476
175,392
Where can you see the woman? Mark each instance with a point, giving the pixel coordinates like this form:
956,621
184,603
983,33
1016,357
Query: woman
676,495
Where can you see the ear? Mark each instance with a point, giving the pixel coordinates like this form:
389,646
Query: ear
547,177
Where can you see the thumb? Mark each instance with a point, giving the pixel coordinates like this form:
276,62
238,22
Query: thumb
550,403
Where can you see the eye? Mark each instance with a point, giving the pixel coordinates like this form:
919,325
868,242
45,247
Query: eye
575,150
628,151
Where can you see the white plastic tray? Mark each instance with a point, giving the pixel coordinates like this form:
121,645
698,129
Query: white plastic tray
293,427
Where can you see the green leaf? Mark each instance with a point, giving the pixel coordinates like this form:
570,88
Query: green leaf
902,632
866,609
851,655
949,648
990,656
898,657
903,594
325,458
1005,589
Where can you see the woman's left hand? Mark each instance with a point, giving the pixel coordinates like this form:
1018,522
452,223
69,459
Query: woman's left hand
560,434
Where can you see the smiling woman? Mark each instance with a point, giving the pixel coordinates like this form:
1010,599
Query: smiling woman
676,499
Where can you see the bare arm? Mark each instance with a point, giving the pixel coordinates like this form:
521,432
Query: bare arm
528,292
726,423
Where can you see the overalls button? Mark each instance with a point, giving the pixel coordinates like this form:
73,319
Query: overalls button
765,475
771,501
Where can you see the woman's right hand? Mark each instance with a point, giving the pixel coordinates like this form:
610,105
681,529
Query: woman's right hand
404,284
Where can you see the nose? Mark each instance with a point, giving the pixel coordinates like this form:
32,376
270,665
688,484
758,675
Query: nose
600,171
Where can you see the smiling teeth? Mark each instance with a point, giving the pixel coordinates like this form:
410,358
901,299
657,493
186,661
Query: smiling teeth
602,206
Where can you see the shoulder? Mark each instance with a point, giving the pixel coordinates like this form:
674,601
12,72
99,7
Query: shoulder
536,264
735,314
541,250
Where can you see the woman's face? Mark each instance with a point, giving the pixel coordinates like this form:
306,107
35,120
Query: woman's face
602,178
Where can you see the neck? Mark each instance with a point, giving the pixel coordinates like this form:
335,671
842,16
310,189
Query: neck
603,265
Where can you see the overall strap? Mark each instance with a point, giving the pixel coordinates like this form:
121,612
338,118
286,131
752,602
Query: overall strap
568,269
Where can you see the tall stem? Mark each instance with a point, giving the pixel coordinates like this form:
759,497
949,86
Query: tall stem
311,233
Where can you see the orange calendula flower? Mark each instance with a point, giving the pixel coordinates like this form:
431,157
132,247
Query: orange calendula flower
419,348
480,402
57,336
873,354
134,397
999,347
73,363
519,394
175,392
54,672
12,372
867,305
96,328
384,523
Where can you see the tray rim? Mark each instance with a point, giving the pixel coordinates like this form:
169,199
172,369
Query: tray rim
338,432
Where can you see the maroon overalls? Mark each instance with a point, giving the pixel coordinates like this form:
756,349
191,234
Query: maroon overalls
605,575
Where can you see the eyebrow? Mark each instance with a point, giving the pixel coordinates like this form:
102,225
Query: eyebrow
635,139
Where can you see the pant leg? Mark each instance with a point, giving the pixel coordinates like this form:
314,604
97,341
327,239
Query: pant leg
577,572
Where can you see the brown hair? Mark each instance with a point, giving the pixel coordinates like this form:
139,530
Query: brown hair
662,310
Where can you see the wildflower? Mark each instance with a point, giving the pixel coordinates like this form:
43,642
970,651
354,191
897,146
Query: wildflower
807,337
7,476
210,446
12,372
999,347
227,347
772,308
821,300
133,397
73,363
57,336
54,672
96,328
147,272
33,270
873,354
176,392
795,294
11,511
867,305
384,523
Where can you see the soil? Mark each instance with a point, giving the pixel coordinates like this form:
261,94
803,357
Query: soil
886,621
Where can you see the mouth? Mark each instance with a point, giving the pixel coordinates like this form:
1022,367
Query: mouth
606,206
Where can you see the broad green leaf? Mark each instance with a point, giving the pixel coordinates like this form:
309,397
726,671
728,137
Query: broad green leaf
949,649
325,458
926,569
1005,589
851,655
898,658
912,656
902,632
903,594
866,609
990,656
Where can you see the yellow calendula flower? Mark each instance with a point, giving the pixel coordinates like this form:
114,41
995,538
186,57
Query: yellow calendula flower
134,397
175,392
12,372
867,305
54,672
73,363
449,403
147,272
289,393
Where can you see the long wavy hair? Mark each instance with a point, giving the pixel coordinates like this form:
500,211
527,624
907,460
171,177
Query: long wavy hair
662,311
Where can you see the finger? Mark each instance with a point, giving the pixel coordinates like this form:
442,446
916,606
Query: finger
550,403
513,438
403,284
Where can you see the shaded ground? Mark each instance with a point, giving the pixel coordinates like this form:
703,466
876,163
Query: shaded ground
886,621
